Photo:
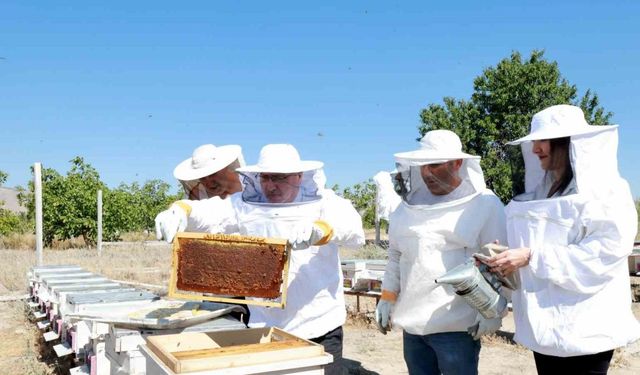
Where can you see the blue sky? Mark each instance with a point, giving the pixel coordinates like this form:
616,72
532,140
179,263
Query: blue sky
134,86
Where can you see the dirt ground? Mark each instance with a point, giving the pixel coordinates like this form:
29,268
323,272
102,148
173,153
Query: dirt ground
19,346
366,351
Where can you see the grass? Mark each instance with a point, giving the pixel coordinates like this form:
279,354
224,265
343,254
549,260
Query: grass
18,241
27,241
138,236
364,252
148,263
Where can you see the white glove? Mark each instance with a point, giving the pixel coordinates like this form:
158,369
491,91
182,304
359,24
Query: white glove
305,235
383,314
483,326
172,221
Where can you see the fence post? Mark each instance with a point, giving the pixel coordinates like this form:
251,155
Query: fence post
99,222
37,184
377,219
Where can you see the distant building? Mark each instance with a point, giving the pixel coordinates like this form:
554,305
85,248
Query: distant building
9,200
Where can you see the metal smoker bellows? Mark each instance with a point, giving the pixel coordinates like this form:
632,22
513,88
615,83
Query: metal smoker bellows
469,283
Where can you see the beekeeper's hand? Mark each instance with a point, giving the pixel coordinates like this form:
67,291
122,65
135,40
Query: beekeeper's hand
508,262
383,311
172,221
305,235
483,326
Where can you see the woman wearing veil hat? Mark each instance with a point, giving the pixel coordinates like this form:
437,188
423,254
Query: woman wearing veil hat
569,236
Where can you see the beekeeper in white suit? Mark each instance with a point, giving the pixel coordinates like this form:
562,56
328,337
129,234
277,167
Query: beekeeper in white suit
387,199
570,234
446,215
284,197
208,173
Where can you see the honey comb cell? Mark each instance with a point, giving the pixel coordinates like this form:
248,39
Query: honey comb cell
228,268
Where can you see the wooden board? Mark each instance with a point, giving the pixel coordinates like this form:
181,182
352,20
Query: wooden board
214,267
199,351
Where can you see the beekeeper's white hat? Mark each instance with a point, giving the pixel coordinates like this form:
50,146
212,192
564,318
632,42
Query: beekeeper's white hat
280,158
437,146
206,160
559,121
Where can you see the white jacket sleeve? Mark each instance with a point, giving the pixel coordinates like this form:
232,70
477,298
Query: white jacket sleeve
344,219
608,231
213,215
391,280
495,226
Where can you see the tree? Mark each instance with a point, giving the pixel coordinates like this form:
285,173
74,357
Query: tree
70,206
362,196
69,203
7,221
504,100
11,222
140,205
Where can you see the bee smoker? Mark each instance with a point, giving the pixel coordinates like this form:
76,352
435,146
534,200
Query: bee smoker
469,283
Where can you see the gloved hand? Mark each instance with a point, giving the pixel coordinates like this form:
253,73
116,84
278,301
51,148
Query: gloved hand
172,221
483,326
309,234
383,310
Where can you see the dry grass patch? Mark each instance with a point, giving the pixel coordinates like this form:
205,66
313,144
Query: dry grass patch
27,241
18,241
364,252
145,262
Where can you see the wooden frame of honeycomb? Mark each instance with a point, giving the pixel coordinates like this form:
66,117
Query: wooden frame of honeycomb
217,267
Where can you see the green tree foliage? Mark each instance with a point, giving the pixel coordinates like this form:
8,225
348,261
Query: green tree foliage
144,202
505,98
7,222
70,204
11,222
362,196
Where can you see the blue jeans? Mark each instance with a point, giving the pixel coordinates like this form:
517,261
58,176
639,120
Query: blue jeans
448,353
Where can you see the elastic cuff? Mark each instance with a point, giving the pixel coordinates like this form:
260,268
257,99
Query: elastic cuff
326,229
186,207
388,295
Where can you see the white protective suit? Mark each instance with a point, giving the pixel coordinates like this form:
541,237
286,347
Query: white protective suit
386,197
213,215
315,298
427,240
574,296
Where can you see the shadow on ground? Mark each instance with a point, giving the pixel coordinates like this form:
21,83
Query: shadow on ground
507,336
353,367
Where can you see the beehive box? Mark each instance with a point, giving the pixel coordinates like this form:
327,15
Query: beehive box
200,351
215,267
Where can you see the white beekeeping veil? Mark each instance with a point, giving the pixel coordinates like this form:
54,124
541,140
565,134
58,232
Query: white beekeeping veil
282,159
437,146
592,150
